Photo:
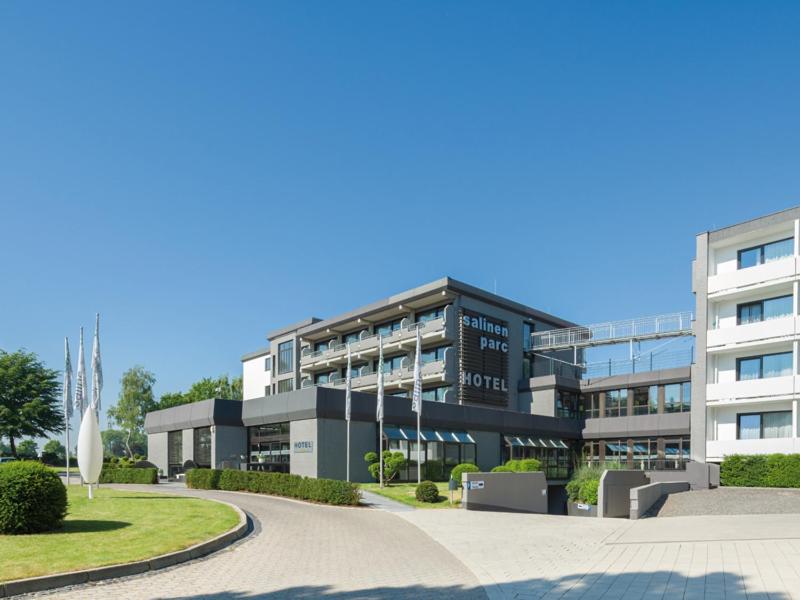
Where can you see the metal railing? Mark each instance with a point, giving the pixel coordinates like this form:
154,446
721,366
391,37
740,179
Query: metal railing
656,464
641,364
614,332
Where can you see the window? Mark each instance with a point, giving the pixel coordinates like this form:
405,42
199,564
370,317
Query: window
527,332
430,315
433,354
322,346
765,425
268,363
616,403
387,328
762,367
266,390
398,393
566,404
672,398
202,447
686,395
355,370
758,255
645,400
390,363
322,378
435,394
285,357
175,448
763,310
353,336
285,385
592,405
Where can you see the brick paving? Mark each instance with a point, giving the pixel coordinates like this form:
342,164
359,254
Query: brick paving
731,501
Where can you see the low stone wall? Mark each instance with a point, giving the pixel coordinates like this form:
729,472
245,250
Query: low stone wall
613,494
643,498
508,492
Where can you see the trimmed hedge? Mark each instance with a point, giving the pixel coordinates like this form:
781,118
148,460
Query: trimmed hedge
502,469
128,475
32,498
427,492
525,465
326,491
772,470
463,468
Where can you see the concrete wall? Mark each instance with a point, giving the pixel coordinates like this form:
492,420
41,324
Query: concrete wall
700,289
613,498
487,449
255,378
228,444
188,444
510,492
331,445
700,476
157,450
643,498
304,463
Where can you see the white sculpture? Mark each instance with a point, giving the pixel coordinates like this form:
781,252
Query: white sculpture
90,449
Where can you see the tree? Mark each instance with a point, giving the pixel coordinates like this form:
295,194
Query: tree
28,449
29,398
208,387
114,443
54,453
392,463
135,401
5,449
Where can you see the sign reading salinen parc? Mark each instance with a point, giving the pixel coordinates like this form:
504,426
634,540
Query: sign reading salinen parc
483,359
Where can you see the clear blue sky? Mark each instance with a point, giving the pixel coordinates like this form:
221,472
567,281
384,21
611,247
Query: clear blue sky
203,172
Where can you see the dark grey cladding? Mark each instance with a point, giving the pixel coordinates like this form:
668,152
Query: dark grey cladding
323,402
214,411
670,424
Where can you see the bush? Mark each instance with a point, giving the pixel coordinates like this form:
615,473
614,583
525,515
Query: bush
774,470
427,492
203,479
588,491
513,465
128,475
32,498
327,491
463,468
525,465
501,469
392,463
371,458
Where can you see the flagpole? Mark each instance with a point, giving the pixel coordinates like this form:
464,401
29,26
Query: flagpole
380,409
67,395
416,402
347,409
419,452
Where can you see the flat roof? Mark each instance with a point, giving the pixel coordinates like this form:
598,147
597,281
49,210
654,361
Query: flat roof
752,224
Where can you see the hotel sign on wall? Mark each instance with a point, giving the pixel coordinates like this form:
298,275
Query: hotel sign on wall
483,372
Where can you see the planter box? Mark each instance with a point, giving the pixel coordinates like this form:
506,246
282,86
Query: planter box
575,509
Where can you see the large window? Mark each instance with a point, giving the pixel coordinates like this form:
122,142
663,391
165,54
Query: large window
323,378
390,363
268,363
672,398
763,367
763,310
269,447
758,255
322,346
616,403
645,400
591,403
388,327
430,315
202,447
355,370
765,425
174,453
285,385
435,394
433,354
353,336
285,357
567,404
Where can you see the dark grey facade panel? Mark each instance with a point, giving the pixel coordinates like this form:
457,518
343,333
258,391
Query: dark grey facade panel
197,414
673,424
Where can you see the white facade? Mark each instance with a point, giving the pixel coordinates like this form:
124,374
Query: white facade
752,339
256,376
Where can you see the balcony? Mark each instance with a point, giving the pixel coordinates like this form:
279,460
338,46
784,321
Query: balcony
367,379
782,269
769,387
367,346
719,449
772,330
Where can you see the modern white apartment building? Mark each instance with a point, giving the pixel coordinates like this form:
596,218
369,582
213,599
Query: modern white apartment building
745,380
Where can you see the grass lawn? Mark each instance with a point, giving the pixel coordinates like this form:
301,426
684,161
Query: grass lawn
404,492
116,527
63,469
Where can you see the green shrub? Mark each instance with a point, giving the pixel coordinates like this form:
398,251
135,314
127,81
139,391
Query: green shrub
203,479
501,469
32,498
427,492
513,465
392,463
529,464
128,475
463,468
774,470
588,491
327,491
371,458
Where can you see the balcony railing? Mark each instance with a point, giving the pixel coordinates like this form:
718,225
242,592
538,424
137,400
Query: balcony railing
369,377
545,365
656,464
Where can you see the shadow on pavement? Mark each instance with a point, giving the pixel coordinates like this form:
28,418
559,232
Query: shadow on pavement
643,584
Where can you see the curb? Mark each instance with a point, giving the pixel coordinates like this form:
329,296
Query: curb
49,582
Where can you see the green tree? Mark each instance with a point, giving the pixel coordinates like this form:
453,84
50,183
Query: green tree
114,443
172,399
392,463
5,449
53,453
28,449
208,387
29,398
135,401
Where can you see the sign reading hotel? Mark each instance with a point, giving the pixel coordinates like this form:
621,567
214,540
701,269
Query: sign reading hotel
483,359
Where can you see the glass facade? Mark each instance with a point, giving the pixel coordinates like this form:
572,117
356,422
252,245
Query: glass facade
174,453
269,447
202,447
567,404
646,454
285,357
616,403
441,451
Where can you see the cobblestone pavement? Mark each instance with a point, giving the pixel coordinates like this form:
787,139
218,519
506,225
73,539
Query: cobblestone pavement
731,501
541,556
305,551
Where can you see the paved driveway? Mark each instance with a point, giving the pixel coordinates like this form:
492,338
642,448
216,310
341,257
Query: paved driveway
305,551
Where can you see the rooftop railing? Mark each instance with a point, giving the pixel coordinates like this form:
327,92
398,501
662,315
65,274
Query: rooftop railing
545,365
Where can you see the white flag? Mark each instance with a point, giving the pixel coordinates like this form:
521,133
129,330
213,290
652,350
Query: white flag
416,399
67,391
379,408
80,382
348,390
97,367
